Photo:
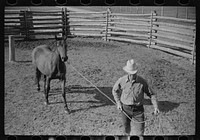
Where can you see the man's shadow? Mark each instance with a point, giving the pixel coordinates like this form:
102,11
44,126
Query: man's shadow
164,106
104,97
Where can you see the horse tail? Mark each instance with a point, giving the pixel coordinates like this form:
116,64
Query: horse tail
33,56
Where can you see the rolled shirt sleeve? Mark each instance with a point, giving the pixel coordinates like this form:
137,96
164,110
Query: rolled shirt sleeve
116,91
147,90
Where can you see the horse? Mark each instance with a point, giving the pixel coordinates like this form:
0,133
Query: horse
50,62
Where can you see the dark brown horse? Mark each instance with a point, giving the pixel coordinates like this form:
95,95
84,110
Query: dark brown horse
50,62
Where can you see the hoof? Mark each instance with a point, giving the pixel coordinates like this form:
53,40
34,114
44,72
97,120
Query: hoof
46,103
67,110
38,89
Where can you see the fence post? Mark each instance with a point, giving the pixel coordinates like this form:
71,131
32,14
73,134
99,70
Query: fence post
176,12
66,31
186,12
107,20
63,23
11,48
25,23
162,10
151,25
142,9
194,47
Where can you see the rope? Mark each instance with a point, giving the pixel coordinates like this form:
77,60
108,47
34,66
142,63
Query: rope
107,96
160,126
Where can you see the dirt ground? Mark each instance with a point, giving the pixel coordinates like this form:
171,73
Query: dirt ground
171,77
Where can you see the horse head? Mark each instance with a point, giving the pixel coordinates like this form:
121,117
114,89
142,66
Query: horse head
62,50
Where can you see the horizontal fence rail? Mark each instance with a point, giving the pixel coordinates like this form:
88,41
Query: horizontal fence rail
169,34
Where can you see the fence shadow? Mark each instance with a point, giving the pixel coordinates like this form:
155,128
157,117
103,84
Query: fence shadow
27,61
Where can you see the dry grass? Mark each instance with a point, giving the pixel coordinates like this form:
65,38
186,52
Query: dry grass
172,78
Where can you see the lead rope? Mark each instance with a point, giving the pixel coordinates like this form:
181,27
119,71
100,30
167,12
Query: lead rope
160,126
107,96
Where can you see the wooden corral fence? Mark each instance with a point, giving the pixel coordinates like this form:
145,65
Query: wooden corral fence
169,34
174,35
86,23
33,24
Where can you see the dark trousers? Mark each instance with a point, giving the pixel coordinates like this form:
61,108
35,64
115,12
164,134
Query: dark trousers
137,113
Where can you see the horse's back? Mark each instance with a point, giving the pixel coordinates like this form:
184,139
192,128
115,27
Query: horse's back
44,59
39,51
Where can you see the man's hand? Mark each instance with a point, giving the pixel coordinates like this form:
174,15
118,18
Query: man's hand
156,111
119,106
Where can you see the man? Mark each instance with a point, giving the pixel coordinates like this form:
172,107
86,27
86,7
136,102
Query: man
132,88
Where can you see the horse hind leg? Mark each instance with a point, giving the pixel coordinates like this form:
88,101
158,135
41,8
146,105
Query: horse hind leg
64,97
47,81
37,78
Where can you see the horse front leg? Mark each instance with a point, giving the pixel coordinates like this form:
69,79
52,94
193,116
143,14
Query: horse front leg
64,97
46,89
37,78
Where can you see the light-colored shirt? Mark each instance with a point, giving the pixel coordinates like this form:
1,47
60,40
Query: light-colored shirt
132,92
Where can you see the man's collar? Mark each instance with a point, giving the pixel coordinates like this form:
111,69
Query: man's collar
127,79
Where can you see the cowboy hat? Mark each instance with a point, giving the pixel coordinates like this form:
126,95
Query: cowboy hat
130,67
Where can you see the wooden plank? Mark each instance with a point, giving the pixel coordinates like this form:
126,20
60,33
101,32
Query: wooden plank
128,40
128,34
72,12
87,24
88,16
183,32
176,19
18,17
85,29
172,51
45,33
12,12
46,11
128,29
42,19
174,25
123,14
12,33
86,20
45,14
48,23
130,19
173,37
173,44
13,21
86,34
48,27
129,23
12,26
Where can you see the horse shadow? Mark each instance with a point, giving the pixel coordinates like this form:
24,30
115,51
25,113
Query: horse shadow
107,99
98,100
